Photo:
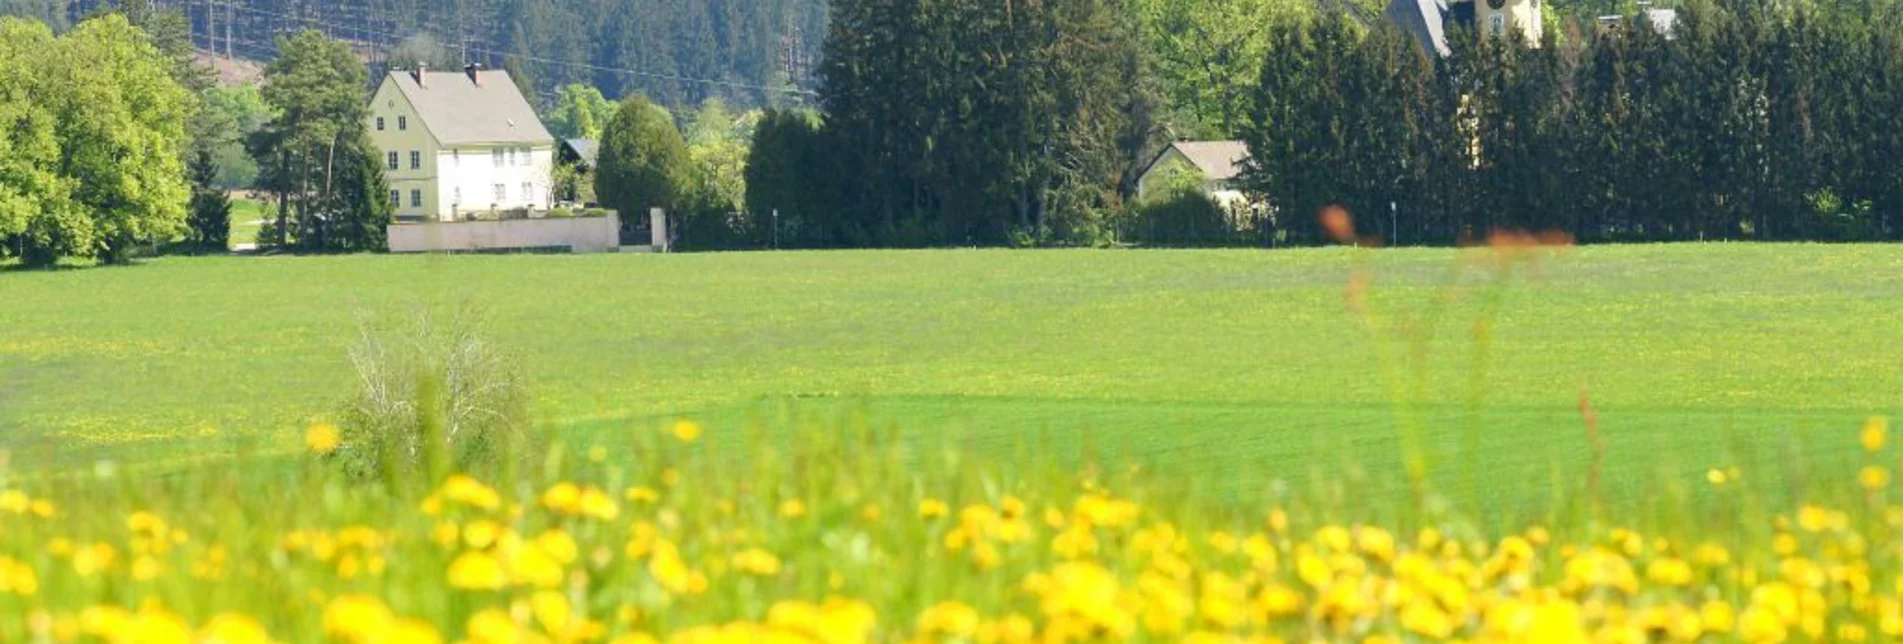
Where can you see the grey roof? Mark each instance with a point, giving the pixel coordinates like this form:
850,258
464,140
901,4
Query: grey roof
458,110
588,150
1423,19
1218,160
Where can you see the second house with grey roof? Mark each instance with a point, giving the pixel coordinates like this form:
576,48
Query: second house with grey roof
459,144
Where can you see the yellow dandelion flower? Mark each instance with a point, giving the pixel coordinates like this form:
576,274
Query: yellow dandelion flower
755,561
563,497
792,508
1876,432
932,509
476,571
558,545
551,610
643,494
233,628
355,617
949,619
322,438
687,431
493,626
1716,476
468,491
1669,571
481,534
1873,478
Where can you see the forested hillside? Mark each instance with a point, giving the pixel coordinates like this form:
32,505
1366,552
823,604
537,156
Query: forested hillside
748,52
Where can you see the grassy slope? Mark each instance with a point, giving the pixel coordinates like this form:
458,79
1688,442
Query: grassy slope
1234,364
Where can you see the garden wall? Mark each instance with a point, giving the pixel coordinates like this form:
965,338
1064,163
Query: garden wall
578,235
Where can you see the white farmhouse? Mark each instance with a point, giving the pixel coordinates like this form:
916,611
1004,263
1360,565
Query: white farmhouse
1217,163
455,144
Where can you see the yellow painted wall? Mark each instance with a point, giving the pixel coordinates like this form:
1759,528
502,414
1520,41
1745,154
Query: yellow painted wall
396,111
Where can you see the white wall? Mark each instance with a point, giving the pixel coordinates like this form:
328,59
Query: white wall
579,234
471,173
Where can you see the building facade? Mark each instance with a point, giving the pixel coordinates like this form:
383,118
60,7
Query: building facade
458,144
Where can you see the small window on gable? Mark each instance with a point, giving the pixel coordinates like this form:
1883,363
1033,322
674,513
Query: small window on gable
416,160
403,123
390,161
379,124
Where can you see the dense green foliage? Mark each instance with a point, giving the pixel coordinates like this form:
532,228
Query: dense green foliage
977,122
95,126
788,148
644,164
1235,364
749,52
1207,57
579,112
232,115
1747,122
314,154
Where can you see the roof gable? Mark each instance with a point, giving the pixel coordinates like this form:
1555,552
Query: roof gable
458,110
1217,160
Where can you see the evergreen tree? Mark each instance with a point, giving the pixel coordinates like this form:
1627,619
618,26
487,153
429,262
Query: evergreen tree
210,221
643,164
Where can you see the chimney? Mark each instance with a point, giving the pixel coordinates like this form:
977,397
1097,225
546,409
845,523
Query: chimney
474,70
421,74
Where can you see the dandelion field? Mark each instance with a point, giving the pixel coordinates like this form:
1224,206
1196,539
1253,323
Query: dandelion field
1677,443
844,536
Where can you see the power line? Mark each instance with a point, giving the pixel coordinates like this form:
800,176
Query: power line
489,51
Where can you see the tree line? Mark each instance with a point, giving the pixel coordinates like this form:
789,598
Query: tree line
745,52
1744,120
984,123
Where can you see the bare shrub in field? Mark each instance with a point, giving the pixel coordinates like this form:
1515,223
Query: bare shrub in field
432,394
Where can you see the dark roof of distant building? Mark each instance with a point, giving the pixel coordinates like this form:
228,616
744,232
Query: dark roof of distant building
1423,19
588,150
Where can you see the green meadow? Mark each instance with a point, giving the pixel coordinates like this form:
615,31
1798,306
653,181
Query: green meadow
1246,367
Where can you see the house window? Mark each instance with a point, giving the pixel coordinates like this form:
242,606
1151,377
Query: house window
528,191
525,156
403,123
502,193
459,197
498,156
456,157
390,160
379,124
511,156
416,199
416,160
396,198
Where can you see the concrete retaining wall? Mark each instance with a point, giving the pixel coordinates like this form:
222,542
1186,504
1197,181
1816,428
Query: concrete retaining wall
578,235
